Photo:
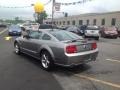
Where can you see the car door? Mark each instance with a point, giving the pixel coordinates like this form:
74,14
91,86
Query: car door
31,44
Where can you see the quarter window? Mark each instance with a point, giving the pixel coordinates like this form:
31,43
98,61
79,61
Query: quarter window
35,34
46,37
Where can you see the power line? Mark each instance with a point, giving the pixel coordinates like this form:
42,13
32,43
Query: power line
74,3
1,6
65,4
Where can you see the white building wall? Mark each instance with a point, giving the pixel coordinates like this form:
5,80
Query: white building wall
107,16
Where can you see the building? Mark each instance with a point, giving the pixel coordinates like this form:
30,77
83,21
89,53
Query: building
99,19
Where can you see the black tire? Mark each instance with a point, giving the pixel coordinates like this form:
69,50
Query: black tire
115,37
97,38
46,61
17,48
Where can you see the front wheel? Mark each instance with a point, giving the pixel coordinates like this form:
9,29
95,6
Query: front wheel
46,61
17,48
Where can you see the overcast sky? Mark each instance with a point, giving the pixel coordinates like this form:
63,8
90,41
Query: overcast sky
95,6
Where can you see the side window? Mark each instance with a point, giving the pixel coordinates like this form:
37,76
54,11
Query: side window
46,37
35,34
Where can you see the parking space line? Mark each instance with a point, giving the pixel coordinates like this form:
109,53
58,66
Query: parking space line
97,80
3,31
112,60
8,38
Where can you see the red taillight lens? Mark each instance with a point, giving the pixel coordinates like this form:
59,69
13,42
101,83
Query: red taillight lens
94,45
71,49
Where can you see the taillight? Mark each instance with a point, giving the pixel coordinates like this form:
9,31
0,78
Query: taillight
71,49
94,45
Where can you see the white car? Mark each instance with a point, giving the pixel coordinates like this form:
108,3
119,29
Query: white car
92,32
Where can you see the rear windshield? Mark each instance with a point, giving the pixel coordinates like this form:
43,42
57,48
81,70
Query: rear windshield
14,27
47,27
73,29
111,29
92,28
65,35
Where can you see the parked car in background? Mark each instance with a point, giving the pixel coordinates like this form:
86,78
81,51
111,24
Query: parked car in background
47,26
63,27
118,33
118,30
14,30
74,29
3,25
60,47
109,32
92,32
26,26
82,29
34,26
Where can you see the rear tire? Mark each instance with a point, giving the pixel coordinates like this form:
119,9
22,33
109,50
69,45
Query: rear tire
46,61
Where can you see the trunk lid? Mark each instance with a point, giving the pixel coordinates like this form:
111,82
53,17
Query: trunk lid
81,45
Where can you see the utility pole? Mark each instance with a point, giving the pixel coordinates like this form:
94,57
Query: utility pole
53,3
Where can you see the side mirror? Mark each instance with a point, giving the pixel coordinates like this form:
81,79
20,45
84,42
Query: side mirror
26,36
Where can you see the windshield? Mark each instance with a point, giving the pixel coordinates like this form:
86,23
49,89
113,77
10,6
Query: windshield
64,35
14,27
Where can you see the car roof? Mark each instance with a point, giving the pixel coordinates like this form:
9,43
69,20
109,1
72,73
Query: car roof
49,30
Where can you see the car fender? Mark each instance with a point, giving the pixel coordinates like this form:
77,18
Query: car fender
45,47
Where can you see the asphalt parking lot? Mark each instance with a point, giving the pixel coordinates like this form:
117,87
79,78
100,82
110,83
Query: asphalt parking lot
25,73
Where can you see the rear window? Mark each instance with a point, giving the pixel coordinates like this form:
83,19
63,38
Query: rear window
47,27
14,27
92,28
64,35
76,29
111,29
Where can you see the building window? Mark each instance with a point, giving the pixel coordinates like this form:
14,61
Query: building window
56,22
94,22
80,22
63,22
73,22
68,22
103,22
113,22
87,22
60,22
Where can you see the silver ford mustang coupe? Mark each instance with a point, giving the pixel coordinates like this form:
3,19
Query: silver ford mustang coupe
55,46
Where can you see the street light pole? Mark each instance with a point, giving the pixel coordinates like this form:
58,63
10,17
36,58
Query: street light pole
53,3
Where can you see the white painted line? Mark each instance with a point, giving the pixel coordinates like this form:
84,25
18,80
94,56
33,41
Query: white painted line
112,60
99,81
3,31
8,38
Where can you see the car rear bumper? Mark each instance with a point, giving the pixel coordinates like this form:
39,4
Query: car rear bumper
92,36
109,35
80,58
12,33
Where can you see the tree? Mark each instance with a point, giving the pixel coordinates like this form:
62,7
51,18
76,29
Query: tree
39,17
16,18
